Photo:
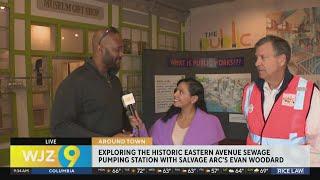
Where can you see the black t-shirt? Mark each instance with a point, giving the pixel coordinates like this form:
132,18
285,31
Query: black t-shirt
88,104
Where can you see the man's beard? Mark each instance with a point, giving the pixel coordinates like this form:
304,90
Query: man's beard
110,62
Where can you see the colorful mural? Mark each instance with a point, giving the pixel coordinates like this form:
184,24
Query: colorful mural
301,28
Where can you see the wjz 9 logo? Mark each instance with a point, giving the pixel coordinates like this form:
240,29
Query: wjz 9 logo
75,156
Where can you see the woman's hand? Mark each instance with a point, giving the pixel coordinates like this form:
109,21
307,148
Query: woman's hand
135,121
124,133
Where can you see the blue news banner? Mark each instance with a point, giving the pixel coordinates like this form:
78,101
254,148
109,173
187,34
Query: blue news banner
67,156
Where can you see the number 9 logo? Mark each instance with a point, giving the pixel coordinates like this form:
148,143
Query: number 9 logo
68,156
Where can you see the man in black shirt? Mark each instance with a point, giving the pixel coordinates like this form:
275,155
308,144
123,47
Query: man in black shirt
88,102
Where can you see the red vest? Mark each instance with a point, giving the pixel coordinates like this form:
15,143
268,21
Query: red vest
287,119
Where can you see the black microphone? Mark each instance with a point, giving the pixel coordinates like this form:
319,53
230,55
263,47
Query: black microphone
129,103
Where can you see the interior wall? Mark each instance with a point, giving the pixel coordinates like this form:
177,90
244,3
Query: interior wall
249,17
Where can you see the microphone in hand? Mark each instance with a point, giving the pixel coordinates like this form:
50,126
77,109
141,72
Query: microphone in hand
129,103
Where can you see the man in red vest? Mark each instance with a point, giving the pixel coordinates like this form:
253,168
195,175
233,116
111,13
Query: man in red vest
281,108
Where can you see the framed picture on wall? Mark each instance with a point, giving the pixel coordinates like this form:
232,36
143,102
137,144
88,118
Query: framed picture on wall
39,74
127,46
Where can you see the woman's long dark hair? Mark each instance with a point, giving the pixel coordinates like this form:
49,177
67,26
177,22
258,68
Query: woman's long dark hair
196,89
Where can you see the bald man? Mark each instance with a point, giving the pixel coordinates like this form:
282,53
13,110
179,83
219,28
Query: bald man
88,102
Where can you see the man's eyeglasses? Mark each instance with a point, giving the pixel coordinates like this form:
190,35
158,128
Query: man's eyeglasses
107,31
